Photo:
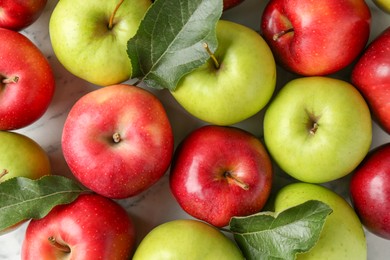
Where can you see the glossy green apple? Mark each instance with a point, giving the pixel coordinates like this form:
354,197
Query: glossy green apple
186,239
318,129
242,84
86,44
21,156
383,5
342,236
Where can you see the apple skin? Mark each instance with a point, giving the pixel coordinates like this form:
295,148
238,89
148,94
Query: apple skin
25,99
126,167
186,237
18,14
342,236
318,129
85,45
228,4
370,191
241,87
322,40
384,5
21,156
211,167
91,227
371,76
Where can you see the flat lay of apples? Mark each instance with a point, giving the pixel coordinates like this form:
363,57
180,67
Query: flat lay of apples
285,113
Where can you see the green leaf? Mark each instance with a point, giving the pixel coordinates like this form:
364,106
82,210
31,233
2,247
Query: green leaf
22,198
269,236
170,40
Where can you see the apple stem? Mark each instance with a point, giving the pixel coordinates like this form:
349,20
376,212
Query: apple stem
236,181
116,137
314,128
13,79
111,22
280,34
3,173
61,247
212,56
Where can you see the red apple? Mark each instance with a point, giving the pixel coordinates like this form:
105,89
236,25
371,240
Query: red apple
370,191
228,4
118,140
18,14
91,227
27,82
219,172
316,38
371,75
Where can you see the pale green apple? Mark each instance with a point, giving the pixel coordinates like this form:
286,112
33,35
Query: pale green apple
383,5
342,237
186,239
21,156
241,86
84,43
318,129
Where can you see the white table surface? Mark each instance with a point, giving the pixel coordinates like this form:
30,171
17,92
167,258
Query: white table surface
157,205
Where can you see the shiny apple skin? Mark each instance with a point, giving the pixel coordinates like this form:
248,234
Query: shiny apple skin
26,100
370,191
92,226
371,75
19,14
325,38
123,168
198,181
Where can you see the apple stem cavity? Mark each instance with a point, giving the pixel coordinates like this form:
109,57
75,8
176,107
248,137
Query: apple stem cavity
61,247
278,35
111,22
228,175
212,56
13,79
116,137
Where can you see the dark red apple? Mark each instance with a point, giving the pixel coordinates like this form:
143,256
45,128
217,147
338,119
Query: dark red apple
91,227
371,75
370,191
118,140
27,81
219,172
18,14
228,4
316,38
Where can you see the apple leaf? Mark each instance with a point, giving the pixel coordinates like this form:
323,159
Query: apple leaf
268,235
170,40
22,198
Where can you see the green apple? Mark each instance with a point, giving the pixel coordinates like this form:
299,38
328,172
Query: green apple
318,129
235,87
383,5
186,239
88,44
21,156
342,236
